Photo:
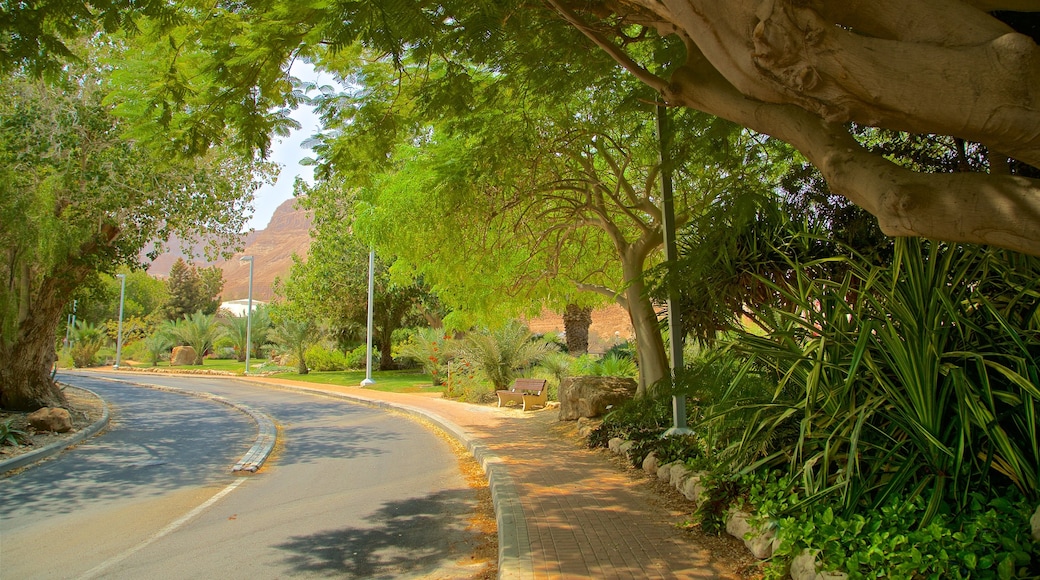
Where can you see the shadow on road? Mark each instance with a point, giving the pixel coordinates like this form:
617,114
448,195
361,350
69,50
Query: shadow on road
318,431
413,537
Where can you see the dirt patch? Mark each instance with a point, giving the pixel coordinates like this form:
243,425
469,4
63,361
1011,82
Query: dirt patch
85,408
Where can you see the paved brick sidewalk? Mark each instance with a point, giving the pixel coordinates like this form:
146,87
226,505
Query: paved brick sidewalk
563,512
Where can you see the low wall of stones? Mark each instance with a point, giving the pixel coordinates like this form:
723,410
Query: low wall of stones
738,523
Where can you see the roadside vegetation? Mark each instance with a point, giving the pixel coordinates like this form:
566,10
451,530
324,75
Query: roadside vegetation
873,400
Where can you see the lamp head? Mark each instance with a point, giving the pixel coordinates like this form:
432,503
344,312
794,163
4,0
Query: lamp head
246,259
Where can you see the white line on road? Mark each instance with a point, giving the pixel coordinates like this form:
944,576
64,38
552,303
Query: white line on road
172,526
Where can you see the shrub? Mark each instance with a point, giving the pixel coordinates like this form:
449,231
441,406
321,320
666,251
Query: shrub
429,348
461,383
625,350
321,358
503,354
638,418
989,539
87,341
355,359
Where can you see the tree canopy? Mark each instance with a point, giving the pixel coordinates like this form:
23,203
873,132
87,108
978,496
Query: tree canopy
77,200
806,73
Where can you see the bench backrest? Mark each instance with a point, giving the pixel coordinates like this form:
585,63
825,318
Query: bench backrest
528,385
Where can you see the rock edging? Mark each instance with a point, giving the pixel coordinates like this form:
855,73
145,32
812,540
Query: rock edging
59,446
761,543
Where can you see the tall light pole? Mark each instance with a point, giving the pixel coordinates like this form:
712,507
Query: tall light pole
371,292
675,336
249,310
119,332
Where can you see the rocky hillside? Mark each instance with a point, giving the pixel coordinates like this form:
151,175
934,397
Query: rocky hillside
288,232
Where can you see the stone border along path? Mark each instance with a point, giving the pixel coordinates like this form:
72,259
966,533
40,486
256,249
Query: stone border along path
56,447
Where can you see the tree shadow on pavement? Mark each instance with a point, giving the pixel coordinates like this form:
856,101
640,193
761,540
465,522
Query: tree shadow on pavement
414,537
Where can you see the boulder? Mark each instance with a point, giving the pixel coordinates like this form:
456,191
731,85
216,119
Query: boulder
803,567
1034,522
182,355
759,543
693,488
650,463
626,447
53,419
678,474
615,444
664,471
592,396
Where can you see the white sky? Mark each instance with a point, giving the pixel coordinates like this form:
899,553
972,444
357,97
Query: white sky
287,153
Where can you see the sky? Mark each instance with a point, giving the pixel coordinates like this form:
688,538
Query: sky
287,153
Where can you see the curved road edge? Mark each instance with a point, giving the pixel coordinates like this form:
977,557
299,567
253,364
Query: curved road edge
267,432
514,542
48,451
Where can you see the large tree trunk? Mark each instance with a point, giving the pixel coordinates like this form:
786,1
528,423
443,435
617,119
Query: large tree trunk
653,361
576,323
26,362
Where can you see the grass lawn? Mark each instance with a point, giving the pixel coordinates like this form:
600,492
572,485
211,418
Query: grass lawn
391,381
408,381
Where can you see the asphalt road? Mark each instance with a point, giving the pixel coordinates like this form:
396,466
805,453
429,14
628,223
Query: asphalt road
350,492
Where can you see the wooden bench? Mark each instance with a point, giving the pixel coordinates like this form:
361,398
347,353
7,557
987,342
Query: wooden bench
527,392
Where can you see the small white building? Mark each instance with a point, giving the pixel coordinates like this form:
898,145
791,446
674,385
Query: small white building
239,307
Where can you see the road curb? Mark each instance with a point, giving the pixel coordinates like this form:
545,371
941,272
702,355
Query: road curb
514,542
48,451
267,432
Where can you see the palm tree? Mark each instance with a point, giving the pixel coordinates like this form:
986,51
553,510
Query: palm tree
296,335
504,353
157,344
198,331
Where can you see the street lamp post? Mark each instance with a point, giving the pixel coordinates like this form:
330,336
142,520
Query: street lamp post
119,331
249,310
371,292
675,337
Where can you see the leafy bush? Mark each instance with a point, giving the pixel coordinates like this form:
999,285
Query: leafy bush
721,491
989,539
635,419
429,348
157,347
355,359
610,365
625,350
322,358
462,383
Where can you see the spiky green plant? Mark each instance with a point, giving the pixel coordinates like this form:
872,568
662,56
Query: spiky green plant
918,379
87,341
503,354
10,435
296,335
199,331
156,345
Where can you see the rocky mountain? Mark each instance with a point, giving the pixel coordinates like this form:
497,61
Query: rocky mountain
272,248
